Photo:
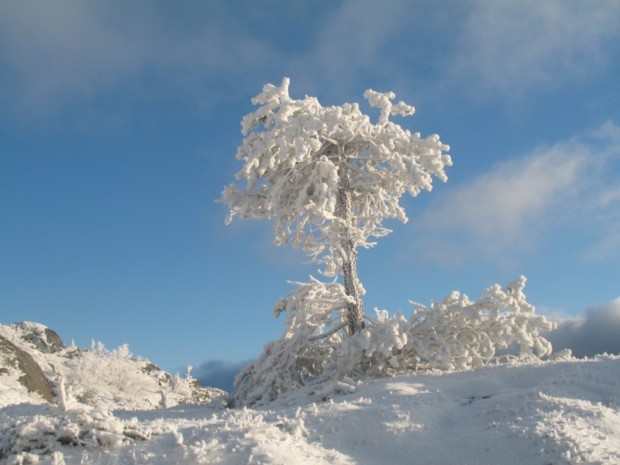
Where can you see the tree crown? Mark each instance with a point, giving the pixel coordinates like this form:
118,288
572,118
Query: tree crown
299,157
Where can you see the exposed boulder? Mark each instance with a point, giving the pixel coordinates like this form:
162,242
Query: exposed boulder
32,376
42,337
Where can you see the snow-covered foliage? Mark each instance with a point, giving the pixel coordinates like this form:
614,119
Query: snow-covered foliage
453,334
98,376
95,377
299,157
305,347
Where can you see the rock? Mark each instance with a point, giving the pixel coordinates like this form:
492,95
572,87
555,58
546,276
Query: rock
43,338
199,394
204,395
32,377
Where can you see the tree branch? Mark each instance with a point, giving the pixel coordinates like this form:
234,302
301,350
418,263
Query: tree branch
329,333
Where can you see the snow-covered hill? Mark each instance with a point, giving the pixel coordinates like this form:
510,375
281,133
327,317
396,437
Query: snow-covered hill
37,367
540,413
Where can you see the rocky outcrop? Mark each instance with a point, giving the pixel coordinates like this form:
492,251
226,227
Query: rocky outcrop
32,376
43,338
34,356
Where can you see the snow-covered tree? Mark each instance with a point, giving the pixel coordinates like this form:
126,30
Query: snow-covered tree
328,177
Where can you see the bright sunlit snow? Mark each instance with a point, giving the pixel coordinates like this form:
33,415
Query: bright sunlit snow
109,407
562,412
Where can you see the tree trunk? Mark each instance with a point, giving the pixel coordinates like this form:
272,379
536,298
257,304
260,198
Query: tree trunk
348,253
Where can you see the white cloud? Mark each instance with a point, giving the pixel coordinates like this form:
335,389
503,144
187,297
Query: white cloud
513,207
57,52
603,208
594,332
510,48
63,47
352,39
485,48
397,43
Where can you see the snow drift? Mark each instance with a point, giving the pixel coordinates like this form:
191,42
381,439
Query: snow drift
561,413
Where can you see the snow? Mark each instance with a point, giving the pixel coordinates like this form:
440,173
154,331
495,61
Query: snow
97,377
538,413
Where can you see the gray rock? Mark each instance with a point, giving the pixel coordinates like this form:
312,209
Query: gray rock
33,377
43,338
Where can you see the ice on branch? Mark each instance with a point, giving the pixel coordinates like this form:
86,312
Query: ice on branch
383,100
316,318
328,178
457,333
300,158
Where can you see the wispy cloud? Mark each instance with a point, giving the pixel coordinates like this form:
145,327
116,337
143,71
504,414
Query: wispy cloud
512,207
511,48
594,332
481,48
351,40
58,50
397,44
54,53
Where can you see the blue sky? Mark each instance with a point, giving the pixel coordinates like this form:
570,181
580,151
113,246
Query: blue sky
120,123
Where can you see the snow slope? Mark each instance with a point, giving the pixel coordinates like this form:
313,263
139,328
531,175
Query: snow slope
544,413
97,376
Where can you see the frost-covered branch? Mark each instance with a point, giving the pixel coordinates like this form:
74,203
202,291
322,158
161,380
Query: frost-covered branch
453,334
293,152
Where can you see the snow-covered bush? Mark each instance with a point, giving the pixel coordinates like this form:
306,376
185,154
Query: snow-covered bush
314,329
97,377
104,378
99,373
453,334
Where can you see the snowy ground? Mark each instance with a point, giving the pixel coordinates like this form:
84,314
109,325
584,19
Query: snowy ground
553,413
